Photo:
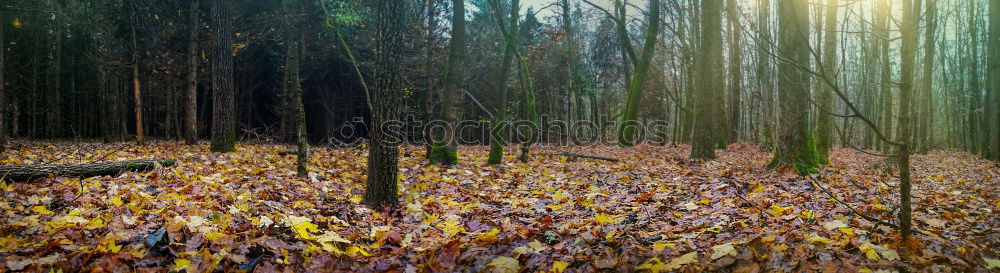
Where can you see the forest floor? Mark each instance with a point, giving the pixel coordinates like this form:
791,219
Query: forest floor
652,210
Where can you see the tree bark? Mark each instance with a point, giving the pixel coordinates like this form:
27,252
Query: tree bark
29,173
709,64
993,72
3,101
824,127
626,131
223,108
735,71
383,148
445,151
926,98
140,139
497,134
795,146
429,77
882,10
191,108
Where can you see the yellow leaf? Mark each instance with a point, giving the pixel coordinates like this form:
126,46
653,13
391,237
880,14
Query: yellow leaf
181,264
704,201
41,210
819,239
723,250
96,223
116,201
992,263
683,260
869,251
452,227
779,247
835,224
653,265
505,264
489,236
865,270
214,236
559,266
849,232
778,211
661,246
5,187
604,219
302,227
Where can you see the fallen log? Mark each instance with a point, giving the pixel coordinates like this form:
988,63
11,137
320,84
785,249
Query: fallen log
30,173
568,154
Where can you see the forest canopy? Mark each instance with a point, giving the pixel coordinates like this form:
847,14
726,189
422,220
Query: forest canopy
500,135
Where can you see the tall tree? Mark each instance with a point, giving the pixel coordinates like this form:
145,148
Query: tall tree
908,35
993,72
429,70
223,90
445,151
3,101
765,78
882,12
926,97
383,148
497,138
824,126
294,48
140,138
794,146
709,63
191,107
626,131
735,70
54,97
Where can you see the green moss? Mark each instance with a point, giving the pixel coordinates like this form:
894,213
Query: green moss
440,154
169,162
225,145
131,165
805,160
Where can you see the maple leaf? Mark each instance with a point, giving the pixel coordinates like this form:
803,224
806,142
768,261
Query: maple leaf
559,266
816,239
778,211
603,219
723,250
489,237
659,247
653,265
504,264
676,263
992,263
41,210
181,264
835,224
869,251
302,227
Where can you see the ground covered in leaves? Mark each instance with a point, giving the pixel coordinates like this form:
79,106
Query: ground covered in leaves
651,211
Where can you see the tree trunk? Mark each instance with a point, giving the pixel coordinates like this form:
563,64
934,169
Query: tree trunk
383,149
735,71
54,98
993,72
497,134
223,104
191,108
795,146
429,77
765,79
824,127
29,173
882,10
709,64
626,131
908,33
3,101
926,98
445,150
140,139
